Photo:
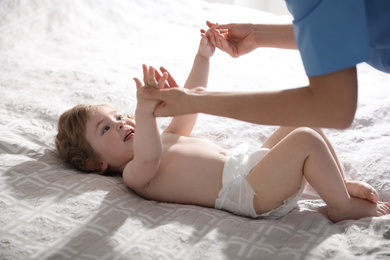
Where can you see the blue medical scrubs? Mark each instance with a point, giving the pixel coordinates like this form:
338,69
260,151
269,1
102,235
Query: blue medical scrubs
337,34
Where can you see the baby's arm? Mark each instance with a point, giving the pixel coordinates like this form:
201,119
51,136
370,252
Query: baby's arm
147,147
198,77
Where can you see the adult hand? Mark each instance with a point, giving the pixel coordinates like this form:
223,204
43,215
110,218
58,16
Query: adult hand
150,82
174,101
234,39
170,82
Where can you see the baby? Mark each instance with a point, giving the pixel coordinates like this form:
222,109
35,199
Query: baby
174,167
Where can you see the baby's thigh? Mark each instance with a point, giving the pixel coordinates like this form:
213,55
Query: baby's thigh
276,177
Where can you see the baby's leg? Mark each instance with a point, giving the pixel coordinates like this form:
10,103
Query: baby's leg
303,152
283,131
355,188
362,190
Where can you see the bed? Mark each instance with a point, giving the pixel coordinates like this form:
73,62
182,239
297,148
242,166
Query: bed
55,54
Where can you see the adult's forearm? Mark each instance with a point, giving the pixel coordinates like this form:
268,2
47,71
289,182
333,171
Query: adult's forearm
294,107
253,107
276,36
330,101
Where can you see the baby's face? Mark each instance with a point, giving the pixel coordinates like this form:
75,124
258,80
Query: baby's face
111,137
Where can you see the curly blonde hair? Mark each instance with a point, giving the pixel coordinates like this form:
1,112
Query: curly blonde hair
71,142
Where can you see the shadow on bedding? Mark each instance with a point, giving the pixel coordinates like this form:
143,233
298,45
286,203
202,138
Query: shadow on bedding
55,205
64,214
88,215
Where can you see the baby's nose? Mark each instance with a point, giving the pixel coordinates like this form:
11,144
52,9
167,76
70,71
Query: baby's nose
121,124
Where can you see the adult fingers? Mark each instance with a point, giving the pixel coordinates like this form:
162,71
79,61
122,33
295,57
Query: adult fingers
211,36
219,26
151,93
158,78
217,39
222,43
161,110
209,24
171,81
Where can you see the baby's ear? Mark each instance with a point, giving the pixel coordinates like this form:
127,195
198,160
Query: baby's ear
103,166
96,165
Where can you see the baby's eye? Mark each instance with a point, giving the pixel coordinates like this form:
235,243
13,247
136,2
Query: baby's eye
119,117
105,129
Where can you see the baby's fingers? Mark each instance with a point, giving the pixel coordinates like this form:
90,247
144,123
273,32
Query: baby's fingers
138,83
151,77
163,79
146,72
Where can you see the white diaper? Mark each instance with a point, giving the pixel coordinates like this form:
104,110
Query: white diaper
237,194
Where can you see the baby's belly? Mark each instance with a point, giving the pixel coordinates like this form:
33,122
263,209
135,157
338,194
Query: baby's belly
188,179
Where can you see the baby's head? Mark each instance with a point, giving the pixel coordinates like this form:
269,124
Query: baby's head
95,138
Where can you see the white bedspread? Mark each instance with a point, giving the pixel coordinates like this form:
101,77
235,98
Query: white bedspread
55,54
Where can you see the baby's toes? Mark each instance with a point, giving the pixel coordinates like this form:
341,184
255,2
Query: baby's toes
373,196
369,192
383,208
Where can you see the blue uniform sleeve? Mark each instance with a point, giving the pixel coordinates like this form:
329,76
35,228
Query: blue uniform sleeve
331,34
378,20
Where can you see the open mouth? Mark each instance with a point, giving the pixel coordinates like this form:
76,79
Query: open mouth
129,135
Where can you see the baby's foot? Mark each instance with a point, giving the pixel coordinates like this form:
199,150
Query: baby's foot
359,208
362,190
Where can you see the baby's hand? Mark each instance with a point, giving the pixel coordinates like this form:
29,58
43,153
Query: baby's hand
206,48
147,105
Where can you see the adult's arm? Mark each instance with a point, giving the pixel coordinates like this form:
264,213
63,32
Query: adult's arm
329,101
239,39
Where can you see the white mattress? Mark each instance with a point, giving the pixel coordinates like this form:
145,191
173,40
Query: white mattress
56,54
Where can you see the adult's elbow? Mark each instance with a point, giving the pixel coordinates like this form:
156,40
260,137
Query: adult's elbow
335,112
336,94
344,109
345,119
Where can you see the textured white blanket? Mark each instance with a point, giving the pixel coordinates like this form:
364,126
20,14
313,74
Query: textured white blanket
55,54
